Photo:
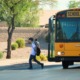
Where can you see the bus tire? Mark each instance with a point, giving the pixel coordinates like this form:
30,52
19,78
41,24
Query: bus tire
65,64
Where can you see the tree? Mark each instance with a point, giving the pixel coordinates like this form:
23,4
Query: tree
74,4
32,16
12,10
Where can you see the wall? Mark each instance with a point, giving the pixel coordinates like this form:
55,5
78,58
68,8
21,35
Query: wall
23,33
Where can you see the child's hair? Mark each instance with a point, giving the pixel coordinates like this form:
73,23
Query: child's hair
31,39
35,39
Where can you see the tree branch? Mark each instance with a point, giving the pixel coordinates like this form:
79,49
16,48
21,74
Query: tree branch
6,3
17,2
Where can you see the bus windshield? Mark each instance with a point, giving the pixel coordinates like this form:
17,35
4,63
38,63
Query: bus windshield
68,30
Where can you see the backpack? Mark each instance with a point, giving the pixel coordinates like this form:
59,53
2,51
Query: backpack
38,50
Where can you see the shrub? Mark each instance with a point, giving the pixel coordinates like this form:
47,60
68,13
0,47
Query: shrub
14,46
43,57
38,58
20,42
1,55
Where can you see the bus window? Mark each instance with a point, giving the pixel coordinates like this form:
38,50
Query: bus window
67,30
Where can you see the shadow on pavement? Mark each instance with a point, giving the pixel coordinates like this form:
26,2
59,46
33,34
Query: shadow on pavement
25,66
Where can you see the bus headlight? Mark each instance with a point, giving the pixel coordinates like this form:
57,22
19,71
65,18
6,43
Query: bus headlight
60,53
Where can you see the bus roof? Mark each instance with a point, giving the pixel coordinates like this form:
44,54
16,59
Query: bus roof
69,13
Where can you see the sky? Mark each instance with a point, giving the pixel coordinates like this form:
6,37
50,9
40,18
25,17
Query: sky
61,5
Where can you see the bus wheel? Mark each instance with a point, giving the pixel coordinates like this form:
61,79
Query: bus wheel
65,64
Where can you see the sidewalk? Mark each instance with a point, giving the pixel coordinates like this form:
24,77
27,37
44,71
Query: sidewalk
9,62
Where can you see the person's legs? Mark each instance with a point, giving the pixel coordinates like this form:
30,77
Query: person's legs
30,62
42,65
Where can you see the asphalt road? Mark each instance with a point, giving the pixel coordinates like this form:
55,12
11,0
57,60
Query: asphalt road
50,72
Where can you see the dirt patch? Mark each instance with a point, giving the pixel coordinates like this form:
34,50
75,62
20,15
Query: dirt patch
19,53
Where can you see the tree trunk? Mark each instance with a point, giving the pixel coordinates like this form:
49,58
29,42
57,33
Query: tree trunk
10,33
9,47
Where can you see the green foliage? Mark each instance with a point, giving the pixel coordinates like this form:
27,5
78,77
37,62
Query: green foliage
74,4
1,55
20,42
26,12
31,18
14,46
17,8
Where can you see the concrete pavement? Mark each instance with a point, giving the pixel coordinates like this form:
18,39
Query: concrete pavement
6,62
50,72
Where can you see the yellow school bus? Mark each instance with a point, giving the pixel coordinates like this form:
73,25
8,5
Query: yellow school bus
64,37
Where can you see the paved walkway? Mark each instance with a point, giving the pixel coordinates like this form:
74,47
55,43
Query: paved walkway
22,64
8,62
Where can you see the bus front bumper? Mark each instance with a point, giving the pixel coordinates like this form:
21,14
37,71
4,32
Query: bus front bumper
58,59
